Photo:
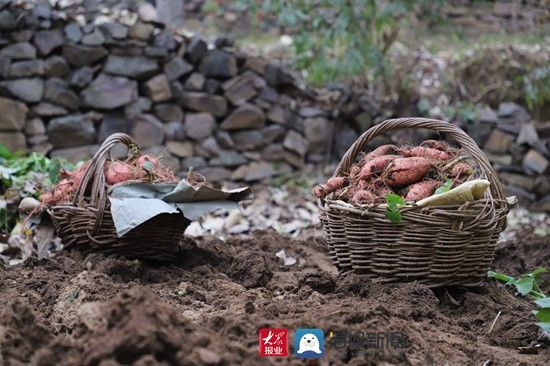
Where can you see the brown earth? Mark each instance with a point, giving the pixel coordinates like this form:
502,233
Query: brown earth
206,308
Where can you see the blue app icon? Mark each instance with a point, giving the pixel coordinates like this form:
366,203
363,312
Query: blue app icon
309,343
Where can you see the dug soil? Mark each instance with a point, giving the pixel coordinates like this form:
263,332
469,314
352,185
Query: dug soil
207,307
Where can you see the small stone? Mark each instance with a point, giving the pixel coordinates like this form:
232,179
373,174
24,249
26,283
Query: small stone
316,131
73,32
29,90
95,38
82,77
28,68
487,115
112,122
168,112
215,174
12,115
294,159
229,158
114,30
239,90
130,66
141,31
34,127
498,159
171,12
158,88
37,139
13,141
362,121
536,162
256,64
212,86
499,142
518,180
224,139
72,130
19,51
273,152
276,114
199,125
196,50
271,133
269,95
165,39
156,52
5,64
174,131
211,147
195,162
203,102
195,82
146,130
76,154
276,76
528,135
147,13
47,41
110,92
295,142
245,116
176,68
56,67
208,357
180,149
56,91
46,109
247,140
79,55
218,64
258,170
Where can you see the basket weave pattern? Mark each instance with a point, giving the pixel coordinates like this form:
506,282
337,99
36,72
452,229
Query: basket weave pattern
435,245
87,222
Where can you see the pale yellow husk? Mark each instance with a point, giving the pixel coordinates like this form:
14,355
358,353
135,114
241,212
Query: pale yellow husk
467,191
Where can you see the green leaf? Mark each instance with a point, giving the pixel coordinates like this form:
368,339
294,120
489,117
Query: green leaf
148,166
544,302
395,199
446,187
500,277
394,216
543,315
524,285
539,270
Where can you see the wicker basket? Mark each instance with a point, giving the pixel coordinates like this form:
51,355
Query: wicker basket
87,222
436,245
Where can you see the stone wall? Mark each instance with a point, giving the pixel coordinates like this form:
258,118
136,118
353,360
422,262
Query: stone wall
67,85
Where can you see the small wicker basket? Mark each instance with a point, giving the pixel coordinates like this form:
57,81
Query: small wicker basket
87,222
436,245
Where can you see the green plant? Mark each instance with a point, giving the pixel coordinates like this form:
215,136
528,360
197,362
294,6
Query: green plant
446,187
335,39
527,285
537,89
394,202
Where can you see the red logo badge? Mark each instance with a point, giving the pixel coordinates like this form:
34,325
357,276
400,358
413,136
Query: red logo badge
273,342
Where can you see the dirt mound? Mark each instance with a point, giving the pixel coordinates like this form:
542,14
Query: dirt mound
206,308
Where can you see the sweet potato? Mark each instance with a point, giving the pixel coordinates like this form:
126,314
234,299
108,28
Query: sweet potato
144,159
438,145
376,166
330,186
405,171
116,172
79,173
364,197
420,190
461,170
379,151
426,152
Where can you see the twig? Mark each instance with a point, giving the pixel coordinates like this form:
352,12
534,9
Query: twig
494,322
453,162
452,299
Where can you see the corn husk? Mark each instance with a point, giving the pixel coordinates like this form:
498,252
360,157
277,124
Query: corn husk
467,191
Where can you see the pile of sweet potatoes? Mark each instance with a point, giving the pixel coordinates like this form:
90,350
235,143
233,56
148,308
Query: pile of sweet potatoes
413,172
142,168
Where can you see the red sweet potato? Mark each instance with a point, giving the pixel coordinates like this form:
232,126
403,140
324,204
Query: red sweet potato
426,152
379,151
330,186
144,159
405,171
420,190
376,166
364,197
116,172
461,170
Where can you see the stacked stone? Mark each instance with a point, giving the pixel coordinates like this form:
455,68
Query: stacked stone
66,86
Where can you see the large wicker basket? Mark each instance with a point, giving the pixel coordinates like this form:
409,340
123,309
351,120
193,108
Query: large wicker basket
436,245
87,222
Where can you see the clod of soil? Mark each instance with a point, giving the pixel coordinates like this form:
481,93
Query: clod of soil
206,308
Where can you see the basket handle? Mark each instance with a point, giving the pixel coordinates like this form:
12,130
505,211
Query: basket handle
454,132
95,173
